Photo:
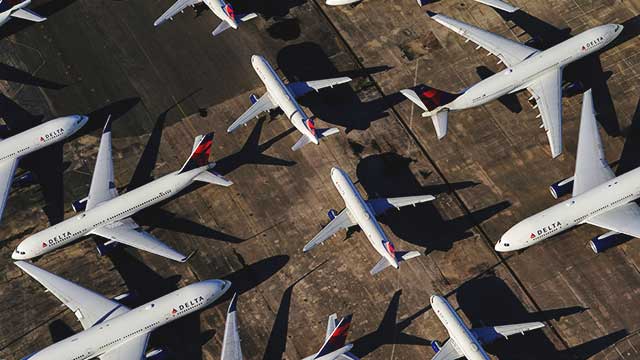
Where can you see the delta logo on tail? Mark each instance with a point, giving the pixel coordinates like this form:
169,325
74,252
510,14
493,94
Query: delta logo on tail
311,126
228,9
338,337
390,248
432,97
200,155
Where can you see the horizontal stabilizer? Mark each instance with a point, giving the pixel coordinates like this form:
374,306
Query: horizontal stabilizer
411,95
400,256
381,265
247,17
213,178
27,14
320,133
440,123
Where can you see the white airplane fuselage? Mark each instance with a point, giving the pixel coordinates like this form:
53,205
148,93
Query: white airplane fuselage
40,136
518,77
281,96
218,8
464,340
364,216
105,213
332,355
11,6
569,213
110,334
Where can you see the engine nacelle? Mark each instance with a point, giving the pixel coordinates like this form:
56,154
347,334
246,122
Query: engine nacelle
435,345
535,42
332,214
127,298
24,180
253,98
157,354
607,241
572,88
106,248
80,205
561,188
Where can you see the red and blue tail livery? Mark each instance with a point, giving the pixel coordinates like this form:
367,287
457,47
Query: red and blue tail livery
432,97
200,154
337,339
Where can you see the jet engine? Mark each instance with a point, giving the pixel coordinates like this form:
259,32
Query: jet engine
572,88
607,241
107,247
561,188
80,205
126,299
24,180
157,354
332,214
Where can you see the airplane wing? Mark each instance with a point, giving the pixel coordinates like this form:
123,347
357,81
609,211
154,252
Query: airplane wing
380,206
7,169
508,51
133,349
624,219
487,335
179,6
499,5
448,351
129,233
27,14
592,168
261,105
298,89
547,91
341,221
89,307
103,187
231,349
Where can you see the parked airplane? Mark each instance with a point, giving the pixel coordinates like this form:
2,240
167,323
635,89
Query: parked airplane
599,197
465,342
17,9
231,349
220,8
111,330
29,141
108,215
363,213
284,96
495,3
540,72
335,347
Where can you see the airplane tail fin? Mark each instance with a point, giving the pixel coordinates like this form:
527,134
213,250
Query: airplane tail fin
200,153
433,102
317,133
400,256
236,19
337,339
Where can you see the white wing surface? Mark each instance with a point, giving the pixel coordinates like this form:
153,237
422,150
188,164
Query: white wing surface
129,233
262,105
508,51
7,169
592,168
89,307
547,91
231,349
27,14
499,5
298,89
380,206
103,187
340,222
448,351
179,6
624,219
487,335
133,349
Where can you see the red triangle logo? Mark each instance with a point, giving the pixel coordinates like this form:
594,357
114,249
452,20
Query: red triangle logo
44,245
532,235
174,311
41,138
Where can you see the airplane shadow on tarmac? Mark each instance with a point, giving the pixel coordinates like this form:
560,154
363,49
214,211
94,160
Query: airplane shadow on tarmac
488,301
10,73
389,175
47,9
390,331
588,71
184,337
341,105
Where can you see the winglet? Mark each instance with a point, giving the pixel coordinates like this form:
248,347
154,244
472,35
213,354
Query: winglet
107,125
431,13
